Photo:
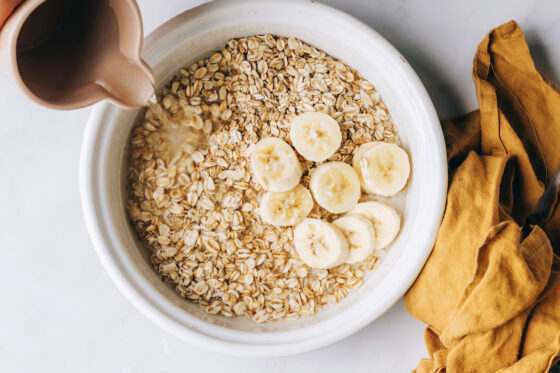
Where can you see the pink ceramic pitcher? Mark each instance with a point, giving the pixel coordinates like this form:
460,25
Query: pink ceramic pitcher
68,54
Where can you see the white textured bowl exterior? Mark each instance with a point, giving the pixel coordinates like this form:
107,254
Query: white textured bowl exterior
191,36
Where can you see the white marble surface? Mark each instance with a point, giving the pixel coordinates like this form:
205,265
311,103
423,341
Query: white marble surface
59,312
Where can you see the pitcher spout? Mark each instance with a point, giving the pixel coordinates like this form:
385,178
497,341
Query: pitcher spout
128,80
128,83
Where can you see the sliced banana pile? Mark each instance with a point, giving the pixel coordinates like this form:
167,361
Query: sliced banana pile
367,229
320,244
386,221
383,168
275,165
335,186
316,136
360,234
286,208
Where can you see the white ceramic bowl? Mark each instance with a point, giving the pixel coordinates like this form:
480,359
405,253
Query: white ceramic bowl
191,36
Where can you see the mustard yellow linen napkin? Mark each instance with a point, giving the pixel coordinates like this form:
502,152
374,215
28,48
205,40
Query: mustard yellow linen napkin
490,291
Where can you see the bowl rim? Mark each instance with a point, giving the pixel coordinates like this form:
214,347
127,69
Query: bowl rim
156,312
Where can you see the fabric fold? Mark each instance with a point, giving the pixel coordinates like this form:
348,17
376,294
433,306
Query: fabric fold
490,291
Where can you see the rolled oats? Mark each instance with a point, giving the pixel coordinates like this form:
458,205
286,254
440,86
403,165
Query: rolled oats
192,198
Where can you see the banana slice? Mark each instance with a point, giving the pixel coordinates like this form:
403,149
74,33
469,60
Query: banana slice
385,169
320,244
316,136
275,165
386,221
286,208
356,161
335,186
360,234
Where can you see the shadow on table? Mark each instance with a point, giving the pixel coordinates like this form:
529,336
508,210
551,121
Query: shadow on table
540,56
443,94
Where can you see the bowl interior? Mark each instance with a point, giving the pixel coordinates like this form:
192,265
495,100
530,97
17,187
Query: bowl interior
193,35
